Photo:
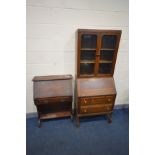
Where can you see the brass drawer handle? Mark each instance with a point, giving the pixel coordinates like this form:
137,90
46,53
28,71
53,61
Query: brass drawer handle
85,110
109,100
62,100
85,101
92,101
45,101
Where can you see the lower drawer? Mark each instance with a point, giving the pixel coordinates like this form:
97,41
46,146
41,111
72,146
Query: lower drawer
96,108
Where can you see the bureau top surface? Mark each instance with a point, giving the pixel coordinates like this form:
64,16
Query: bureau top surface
95,86
51,87
52,77
99,30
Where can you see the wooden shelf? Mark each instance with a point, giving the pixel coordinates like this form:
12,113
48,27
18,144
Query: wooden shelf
94,49
87,75
105,61
55,115
105,75
88,49
107,49
87,61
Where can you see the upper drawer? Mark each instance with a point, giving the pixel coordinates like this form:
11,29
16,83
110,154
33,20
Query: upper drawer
54,100
97,100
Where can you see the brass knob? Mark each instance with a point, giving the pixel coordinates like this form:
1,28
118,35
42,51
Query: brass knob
45,101
109,99
85,110
62,100
85,101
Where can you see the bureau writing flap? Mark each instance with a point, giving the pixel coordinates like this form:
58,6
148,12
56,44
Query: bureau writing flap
95,86
52,86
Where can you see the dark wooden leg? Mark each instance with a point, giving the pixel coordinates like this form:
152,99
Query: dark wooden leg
39,120
109,118
77,121
71,117
77,117
39,123
72,113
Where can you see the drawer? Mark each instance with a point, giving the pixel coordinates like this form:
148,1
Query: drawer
92,100
96,108
54,100
97,100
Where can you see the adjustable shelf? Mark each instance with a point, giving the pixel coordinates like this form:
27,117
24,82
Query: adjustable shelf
88,49
87,61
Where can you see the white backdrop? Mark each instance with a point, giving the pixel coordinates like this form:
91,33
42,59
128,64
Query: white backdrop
51,27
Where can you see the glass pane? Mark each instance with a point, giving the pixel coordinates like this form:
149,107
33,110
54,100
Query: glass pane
108,41
87,68
106,55
88,41
88,55
105,68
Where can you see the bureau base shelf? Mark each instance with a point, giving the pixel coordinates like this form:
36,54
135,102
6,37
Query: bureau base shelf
54,115
108,114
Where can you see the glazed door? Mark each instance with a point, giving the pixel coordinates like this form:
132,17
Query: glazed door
87,57
107,54
97,51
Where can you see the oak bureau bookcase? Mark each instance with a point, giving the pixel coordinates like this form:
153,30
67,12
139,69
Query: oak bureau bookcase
96,58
